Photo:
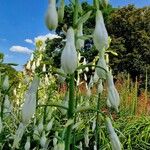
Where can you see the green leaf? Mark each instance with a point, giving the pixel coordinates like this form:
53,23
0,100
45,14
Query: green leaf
84,18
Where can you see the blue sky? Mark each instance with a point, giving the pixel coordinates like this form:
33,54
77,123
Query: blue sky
24,19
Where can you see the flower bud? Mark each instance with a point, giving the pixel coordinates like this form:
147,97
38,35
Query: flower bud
61,11
29,105
115,143
100,87
33,67
18,135
102,74
27,145
100,36
38,62
61,146
6,83
40,126
52,16
113,95
28,66
43,140
69,59
80,42
49,125
44,68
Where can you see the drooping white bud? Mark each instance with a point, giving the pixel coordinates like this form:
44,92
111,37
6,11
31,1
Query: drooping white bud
94,125
38,62
113,95
102,73
100,87
18,135
95,77
49,125
33,67
29,105
43,140
27,145
52,16
115,143
61,146
44,68
28,66
100,36
36,134
80,42
6,83
40,126
80,146
69,59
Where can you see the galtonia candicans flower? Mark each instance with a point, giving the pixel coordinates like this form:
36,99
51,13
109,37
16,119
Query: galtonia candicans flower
115,143
102,73
100,36
69,59
113,95
52,16
80,42
29,105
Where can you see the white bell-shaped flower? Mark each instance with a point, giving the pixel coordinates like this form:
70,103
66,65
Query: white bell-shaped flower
32,57
102,73
115,142
52,16
69,59
100,36
40,126
113,95
49,125
29,105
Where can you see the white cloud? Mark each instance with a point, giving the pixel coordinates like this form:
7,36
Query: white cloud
29,41
44,37
20,49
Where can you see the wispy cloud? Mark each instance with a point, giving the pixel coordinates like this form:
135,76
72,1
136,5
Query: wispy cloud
20,49
3,39
44,37
29,41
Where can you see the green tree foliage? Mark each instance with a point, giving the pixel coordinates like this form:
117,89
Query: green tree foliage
130,32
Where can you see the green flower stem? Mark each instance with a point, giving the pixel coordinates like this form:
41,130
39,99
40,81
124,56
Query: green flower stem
97,123
70,113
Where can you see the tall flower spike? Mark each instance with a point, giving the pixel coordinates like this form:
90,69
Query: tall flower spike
29,106
52,16
100,36
115,143
113,95
69,57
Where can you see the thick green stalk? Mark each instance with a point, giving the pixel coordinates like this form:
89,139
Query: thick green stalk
70,113
97,123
